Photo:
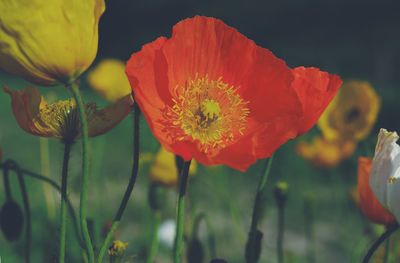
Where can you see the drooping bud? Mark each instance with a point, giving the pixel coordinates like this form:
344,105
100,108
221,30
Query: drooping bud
195,251
11,220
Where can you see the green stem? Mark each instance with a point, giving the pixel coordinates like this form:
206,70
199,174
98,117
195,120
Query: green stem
63,214
210,233
27,210
251,256
389,231
58,188
387,251
180,213
131,184
154,237
309,228
281,228
85,170
7,186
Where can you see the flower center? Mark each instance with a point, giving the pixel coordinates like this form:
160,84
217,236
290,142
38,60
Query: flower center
209,112
62,118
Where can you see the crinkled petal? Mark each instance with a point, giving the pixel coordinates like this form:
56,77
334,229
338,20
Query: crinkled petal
26,106
315,89
101,121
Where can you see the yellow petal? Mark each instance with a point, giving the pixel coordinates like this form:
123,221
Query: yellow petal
108,79
48,41
352,114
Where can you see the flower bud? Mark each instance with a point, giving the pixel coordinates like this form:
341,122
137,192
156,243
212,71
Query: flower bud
157,196
11,220
195,251
280,191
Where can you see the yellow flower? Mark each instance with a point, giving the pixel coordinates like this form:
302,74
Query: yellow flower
61,119
164,171
325,153
49,41
108,79
117,248
352,114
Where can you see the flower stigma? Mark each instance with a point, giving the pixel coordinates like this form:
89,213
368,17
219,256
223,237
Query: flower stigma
210,112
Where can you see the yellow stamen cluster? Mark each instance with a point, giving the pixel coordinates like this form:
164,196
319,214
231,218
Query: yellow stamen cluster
117,248
209,112
62,118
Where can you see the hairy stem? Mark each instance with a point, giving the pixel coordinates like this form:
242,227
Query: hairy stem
55,186
131,184
251,256
85,171
180,212
154,237
389,231
63,214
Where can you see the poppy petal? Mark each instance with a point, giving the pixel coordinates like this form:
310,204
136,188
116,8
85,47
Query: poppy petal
315,89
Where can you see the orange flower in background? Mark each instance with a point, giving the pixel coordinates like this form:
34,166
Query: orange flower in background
61,119
325,153
368,201
211,94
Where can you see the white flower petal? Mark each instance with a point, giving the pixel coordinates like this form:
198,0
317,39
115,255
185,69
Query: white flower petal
385,177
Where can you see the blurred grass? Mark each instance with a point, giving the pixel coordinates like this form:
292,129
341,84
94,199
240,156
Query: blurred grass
342,233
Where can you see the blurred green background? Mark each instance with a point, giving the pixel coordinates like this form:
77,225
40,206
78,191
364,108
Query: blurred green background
358,39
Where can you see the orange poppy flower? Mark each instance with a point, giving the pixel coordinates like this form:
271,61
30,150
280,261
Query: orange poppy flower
368,201
61,119
211,94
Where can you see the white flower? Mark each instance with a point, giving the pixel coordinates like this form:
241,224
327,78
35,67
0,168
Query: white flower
166,233
384,180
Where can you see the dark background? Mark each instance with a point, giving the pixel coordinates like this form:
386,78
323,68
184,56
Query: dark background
355,39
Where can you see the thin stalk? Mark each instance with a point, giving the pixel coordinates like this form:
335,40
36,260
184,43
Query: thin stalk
389,231
210,233
27,210
45,170
85,171
131,184
7,186
180,212
386,259
58,188
281,228
251,243
154,237
309,229
63,214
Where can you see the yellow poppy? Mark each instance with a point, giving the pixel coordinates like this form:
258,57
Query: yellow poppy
108,79
164,171
324,153
61,119
352,114
49,41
